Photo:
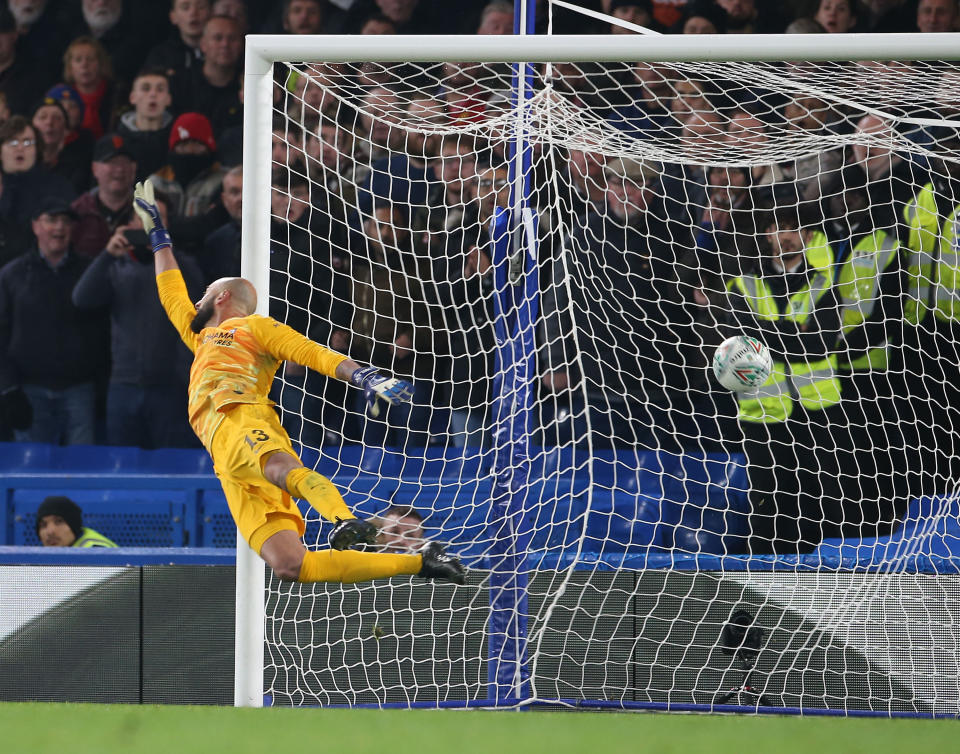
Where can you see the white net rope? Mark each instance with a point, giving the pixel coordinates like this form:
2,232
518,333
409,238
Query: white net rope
665,197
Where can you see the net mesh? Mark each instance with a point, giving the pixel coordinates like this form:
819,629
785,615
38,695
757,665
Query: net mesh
812,205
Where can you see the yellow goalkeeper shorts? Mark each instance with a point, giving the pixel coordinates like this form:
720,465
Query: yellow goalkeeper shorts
248,433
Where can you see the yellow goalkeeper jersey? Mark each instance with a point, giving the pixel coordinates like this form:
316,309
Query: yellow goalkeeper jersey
235,362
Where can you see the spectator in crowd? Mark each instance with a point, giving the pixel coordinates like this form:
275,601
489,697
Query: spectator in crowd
213,88
109,204
726,228
449,197
221,249
191,178
42,27
146,128
378,138
587,181
885,15
378,24
646,111
287,141
703,17
816,118
464,99
836,16
747,130
668,13
870,289
637,12
15,238
685,184
804,26
87,68
317,298
390,320
489,191
236,9
72,103
181,51
302,16
147,392
463,322
68,159
330,160
115,29
18,79
401,529
751,17
891,178
25,178
50,349
620,270
496,18
409,175
409,16
937,16
795,434
931,219
60,524
689,95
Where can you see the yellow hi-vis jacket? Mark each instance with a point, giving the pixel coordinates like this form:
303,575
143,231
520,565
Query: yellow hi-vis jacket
92,538
858,289
813,384
932,243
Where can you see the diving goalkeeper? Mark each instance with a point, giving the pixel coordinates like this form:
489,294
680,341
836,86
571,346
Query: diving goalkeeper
236,354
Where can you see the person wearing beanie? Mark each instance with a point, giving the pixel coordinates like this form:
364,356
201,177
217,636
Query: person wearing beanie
191,181
192,177
639,12
60,524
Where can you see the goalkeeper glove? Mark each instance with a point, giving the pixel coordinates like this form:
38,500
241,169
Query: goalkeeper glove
146,207
350,532
377,387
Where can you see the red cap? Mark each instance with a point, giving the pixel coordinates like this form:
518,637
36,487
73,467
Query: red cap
192,126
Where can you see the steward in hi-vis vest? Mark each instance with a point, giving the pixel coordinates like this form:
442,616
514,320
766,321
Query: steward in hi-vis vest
790,425
870,285
932,222
59,523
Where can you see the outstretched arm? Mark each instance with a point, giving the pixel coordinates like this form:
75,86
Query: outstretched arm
287,344
173,291
146,208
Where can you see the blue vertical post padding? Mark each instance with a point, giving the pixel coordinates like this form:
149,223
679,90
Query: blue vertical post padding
515,309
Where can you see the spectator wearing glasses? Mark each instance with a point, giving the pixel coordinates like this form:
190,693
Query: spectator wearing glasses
26,179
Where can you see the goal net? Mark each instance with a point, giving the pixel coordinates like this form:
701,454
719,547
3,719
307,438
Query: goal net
551,253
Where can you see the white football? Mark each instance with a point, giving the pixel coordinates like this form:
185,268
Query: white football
742,363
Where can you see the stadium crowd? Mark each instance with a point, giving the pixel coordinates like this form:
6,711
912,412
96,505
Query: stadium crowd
395,228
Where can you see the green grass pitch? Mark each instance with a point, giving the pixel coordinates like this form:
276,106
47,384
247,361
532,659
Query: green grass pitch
118,729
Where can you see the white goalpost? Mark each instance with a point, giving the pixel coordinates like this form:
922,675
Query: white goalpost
549,236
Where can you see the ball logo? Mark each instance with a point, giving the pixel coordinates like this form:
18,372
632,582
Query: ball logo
183,133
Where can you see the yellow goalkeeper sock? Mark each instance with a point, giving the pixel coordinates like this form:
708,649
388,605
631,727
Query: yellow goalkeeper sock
349,566
319,492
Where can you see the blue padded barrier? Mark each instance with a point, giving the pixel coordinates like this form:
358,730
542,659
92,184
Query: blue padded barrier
624,502
131,518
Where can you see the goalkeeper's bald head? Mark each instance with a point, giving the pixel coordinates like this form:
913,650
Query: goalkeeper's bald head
242,293
224,298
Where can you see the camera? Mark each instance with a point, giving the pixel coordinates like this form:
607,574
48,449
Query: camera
744,639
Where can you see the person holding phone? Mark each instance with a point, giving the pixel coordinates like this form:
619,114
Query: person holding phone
146,396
